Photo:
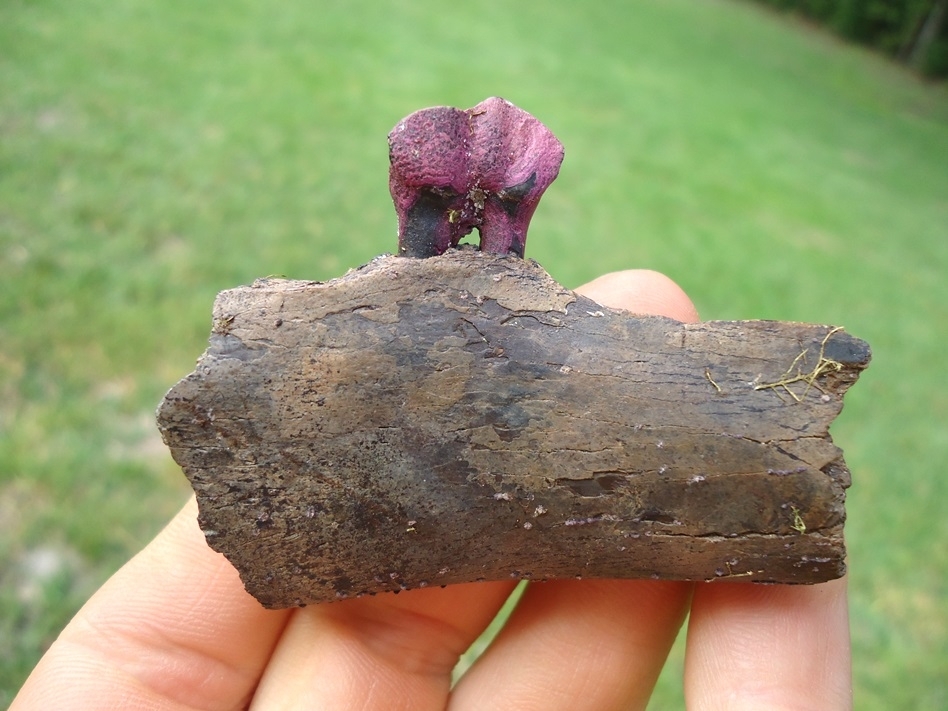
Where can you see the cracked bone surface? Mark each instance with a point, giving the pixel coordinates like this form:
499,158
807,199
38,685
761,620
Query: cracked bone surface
423,422
454,170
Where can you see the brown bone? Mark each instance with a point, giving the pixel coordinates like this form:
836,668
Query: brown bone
464,417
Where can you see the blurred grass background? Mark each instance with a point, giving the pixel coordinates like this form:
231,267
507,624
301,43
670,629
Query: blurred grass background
152,154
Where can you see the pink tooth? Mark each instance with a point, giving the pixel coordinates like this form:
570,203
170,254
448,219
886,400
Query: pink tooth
453,170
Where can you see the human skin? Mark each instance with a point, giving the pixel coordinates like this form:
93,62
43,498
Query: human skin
175,629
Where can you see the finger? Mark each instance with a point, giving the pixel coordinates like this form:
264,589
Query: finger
172,629
587,644
383,652
641,291
597,644
768,647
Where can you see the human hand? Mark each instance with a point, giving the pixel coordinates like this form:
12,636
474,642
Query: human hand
174,629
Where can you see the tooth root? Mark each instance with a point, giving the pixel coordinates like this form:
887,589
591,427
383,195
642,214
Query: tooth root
427,228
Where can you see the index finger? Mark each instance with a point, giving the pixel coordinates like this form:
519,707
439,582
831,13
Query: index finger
173,628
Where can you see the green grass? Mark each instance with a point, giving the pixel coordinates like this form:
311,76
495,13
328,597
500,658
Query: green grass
152,154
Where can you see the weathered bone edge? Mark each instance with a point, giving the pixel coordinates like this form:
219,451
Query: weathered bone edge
464,418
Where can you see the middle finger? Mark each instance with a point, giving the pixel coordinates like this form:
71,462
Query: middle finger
569,644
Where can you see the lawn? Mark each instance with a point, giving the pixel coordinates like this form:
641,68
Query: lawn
152,154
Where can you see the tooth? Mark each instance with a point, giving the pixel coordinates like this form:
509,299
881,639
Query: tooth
454,170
